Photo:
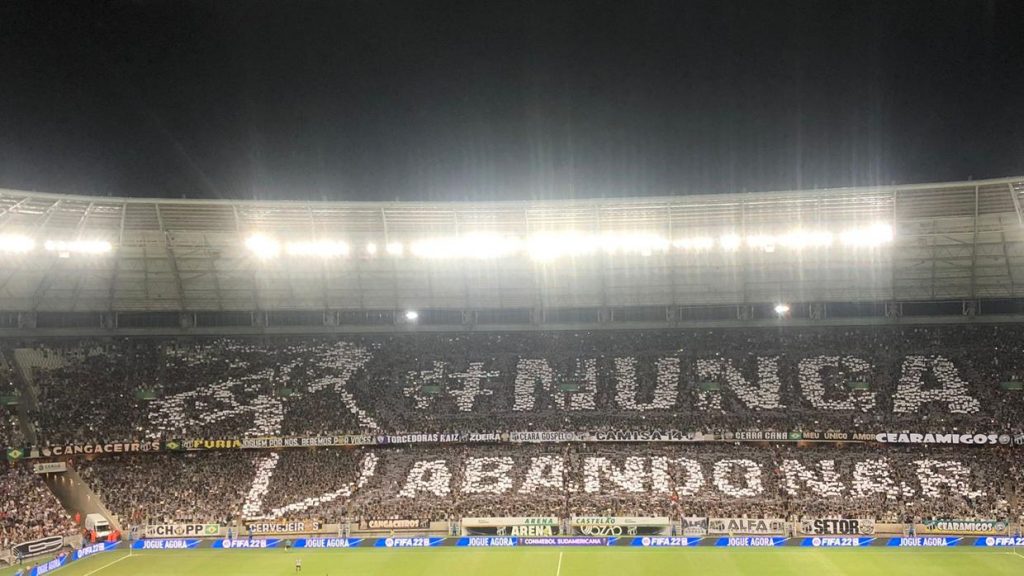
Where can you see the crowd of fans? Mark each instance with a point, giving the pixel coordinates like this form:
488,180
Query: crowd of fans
868,379
871,379
28,510
171,488
446,483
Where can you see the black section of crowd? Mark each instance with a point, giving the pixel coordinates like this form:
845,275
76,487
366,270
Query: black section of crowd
769,481
134,389
292,386
28,510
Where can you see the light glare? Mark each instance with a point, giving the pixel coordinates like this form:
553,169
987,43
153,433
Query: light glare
321,248
482,246
730,242
16,243
698,243
869,236
78,246
263,247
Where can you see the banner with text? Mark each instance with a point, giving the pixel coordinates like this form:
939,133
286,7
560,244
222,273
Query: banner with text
838,526
512,526
962,527
181,530
37,547
746,526
620,526
393,524
953,438
693,526
284,527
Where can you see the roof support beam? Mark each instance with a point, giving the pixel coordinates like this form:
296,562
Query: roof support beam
171,260
1016,204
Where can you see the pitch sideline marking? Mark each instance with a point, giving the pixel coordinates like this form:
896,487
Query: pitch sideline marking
557,572
108,565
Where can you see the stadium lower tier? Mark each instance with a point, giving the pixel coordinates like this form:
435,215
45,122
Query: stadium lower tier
640,480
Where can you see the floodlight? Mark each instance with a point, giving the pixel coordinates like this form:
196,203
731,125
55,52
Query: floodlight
263,247
782,309
320,248
730,242
371,249
411,315
16,243
644,243
547,246
395,248
480,245
874,235
764,242
78,246
698,243
798,239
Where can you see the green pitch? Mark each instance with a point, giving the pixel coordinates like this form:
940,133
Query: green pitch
553,562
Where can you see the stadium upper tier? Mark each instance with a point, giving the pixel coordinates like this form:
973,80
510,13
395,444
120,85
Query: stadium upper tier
899,243
852,380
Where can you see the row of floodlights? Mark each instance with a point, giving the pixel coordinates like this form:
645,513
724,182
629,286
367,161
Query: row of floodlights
546,246
550,246
19,244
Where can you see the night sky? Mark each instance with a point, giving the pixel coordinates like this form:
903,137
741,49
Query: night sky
441,100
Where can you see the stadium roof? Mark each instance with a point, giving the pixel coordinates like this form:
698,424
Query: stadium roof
961,240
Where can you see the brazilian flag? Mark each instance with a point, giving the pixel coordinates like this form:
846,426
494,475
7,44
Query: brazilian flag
15,454
174,445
